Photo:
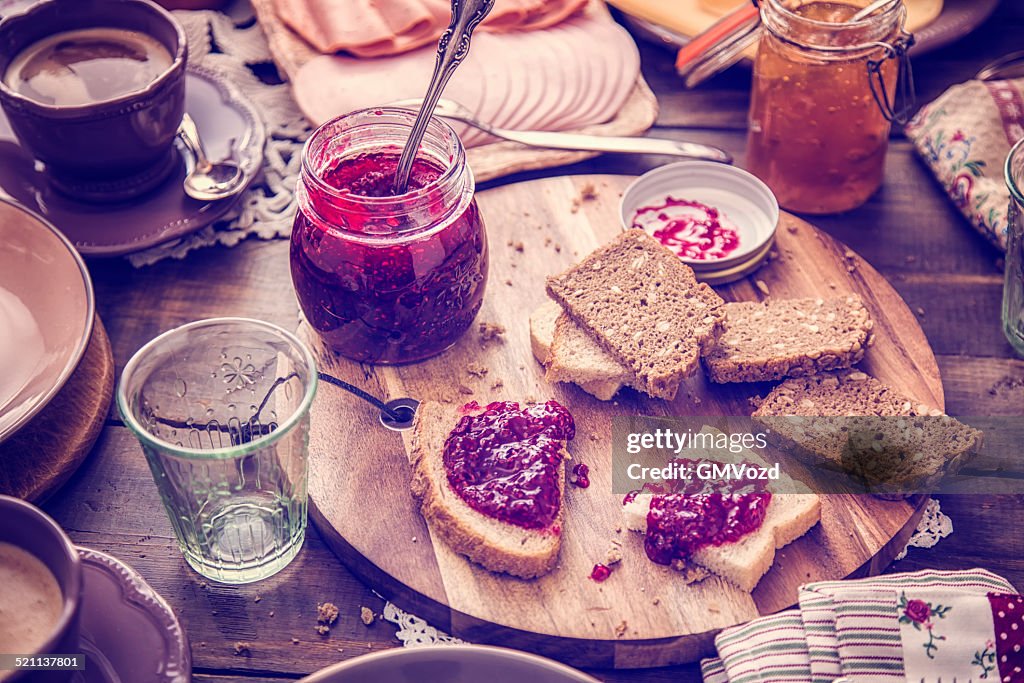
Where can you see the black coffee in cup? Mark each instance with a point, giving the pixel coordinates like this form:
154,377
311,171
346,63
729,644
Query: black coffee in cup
87,66
95,91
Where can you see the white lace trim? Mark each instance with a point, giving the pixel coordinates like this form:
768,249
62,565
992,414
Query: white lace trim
415,632
934,526
217,42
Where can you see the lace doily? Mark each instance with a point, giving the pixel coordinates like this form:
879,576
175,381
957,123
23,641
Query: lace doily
933,527
230,45
415,632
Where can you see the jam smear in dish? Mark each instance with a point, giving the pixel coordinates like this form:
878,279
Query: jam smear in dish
601,573
580,475
702,513
388,284
504,461
692,230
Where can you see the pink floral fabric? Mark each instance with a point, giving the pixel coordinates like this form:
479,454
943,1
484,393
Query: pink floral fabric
964,137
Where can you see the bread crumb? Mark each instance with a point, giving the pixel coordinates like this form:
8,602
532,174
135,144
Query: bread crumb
519,246
243,649
508,283
271,612
327,613
588,192
476,370
792,229
621,629
491,332
920,311
498,384
366,615
257,598
614,554
849,254
463,389
656,602
762,287
295,641
414,540
323,629
575,208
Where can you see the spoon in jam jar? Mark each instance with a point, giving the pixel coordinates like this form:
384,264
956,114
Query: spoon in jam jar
452,49
208,181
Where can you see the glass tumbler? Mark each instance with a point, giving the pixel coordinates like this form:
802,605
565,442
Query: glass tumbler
1013,288
221,408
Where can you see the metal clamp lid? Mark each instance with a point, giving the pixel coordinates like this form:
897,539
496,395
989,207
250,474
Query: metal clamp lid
900,107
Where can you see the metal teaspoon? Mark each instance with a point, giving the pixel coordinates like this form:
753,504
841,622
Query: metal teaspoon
452,49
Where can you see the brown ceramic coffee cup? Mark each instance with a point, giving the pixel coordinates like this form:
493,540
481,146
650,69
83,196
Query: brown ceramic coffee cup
111,150
27,527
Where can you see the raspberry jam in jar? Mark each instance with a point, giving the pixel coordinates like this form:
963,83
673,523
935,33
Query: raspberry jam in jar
385,278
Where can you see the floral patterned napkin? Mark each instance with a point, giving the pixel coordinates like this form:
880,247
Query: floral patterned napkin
893,627
953,636
965,136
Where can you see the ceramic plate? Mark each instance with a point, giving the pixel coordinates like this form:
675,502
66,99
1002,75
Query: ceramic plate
46,314
451,664
958,18
128,632
230,126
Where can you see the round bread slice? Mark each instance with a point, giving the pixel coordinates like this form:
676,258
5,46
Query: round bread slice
492,543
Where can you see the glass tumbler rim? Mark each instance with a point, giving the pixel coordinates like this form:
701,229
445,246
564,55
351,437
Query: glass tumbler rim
226,452
1016,192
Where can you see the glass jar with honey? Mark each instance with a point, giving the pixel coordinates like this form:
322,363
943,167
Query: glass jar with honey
826,91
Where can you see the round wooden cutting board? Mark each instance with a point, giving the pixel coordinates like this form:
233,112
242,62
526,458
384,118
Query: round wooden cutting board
643,615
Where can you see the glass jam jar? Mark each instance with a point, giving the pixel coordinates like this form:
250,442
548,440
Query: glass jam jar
824,99
385,278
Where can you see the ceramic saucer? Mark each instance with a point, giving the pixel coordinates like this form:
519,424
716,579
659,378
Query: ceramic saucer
128,632
230,126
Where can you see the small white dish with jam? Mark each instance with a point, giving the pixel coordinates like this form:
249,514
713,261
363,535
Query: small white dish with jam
717,218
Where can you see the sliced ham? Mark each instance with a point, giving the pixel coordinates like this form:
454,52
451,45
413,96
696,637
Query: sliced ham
573,75
376,28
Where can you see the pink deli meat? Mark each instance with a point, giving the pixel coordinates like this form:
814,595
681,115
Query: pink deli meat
578,73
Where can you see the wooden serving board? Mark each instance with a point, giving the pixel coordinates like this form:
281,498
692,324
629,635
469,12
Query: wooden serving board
43,454
643,615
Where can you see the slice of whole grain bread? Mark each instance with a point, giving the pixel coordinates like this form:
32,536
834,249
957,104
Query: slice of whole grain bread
576,357
494,544
855,422
778,338
644,306
602,386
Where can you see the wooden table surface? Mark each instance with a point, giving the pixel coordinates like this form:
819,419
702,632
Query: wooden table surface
909,231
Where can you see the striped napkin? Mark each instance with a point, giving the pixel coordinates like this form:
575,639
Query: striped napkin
861,630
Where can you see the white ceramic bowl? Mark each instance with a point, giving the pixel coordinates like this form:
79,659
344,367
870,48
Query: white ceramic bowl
46,314
451,664
742,199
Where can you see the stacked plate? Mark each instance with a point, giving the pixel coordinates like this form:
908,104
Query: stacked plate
743,204
46,314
